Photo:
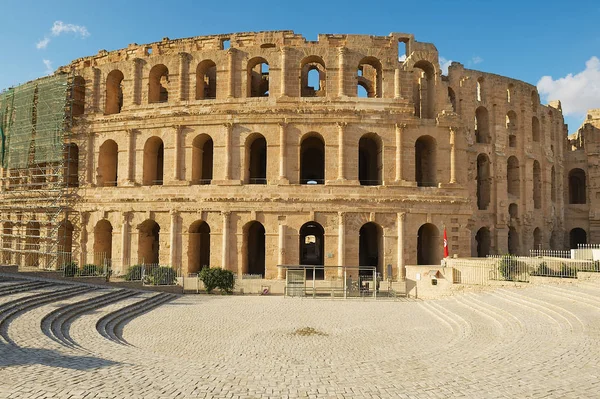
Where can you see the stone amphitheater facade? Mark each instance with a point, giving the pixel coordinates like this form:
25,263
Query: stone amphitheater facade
252,150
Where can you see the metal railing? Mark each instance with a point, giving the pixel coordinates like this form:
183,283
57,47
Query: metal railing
312,181
257,180
153,274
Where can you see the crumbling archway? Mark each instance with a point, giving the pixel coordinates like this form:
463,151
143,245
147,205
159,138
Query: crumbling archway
484,182
149,242
424,89
258,77
206,80
425,162
513,178
158,91
313,77
312,248
577,186
114,92
428,245
369,76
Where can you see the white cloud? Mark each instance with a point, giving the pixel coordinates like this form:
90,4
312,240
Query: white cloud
476,60
60,27
49,68
402,58
577,93
42,44
444,64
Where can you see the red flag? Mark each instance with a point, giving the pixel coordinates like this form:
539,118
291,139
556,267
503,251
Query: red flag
446,254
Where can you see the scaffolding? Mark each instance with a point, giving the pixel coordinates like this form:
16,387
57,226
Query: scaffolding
38,179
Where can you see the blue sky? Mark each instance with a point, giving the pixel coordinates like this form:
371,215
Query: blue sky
526,40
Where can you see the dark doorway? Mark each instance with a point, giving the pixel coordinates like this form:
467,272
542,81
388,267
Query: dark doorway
256,249
577,236
428,245
312,248
198,246
370,237
483,242
312,161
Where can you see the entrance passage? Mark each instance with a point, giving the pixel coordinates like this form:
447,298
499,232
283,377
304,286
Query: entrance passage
428,245
255,249
370,237
198,246
484,242
577,236
149,242
312,246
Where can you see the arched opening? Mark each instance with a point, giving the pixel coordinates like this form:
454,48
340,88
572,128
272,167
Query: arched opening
577,236
513,211
65,242
484,182
512,177
369,76
362,89
537,185
7,242
158,91
370,162
537,238
108,161
312,160
370,246
78,107
256,155
577,186
428,245
312,247
32,244
535,129
513,241
535,100
424,90
552,184
149,242
198,246
425,162
114,92
480,89
206,80
154,155
255,249
452,98
102,242
202,159
511,127
313,76
509,92
484,242
258,77
482,125
71,156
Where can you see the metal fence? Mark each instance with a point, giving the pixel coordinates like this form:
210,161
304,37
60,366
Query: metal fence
153,274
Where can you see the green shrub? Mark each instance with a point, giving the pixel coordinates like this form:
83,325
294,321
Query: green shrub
134,273
596,266
217,278
543,270
162,276
70,269
508,267
90,270
568,271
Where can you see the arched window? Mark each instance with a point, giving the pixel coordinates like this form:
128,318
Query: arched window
513,241
313,77
370,162
78,107
72,164
258,77
153,162
577,187
535,129
256,155
65,242
452,98
158,91
198,246
370,247
149,243
484,182
428,245
369,76
537,185
108,161
425,162
482,125
102,242
312,160
32,245
255,249
484,242
552,185
202,159
206,80
424,90
513,178
312,247
577,236
537,239
511,127
513,211
509,92
480,89
114,92
535,100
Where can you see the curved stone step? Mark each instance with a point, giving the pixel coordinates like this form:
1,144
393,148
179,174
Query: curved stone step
27,286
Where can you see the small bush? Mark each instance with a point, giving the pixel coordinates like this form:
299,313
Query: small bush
217,278
568,271
507,267
162,276
70,269
134,273
543,270
90,270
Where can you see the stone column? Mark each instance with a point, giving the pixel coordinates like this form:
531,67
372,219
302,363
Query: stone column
225,253
228,130
282,152
136,84
183,76
342,51
83,258
284,51
401,220
96,90
90,159
399,130
177,153
452,155
173,241
341,153
397,86
125,248
131,157
231,83
281,255
341,243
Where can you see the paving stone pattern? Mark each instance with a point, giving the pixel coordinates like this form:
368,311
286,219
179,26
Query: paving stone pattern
538,342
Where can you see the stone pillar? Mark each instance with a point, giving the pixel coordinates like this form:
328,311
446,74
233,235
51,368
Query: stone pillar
284,51
399,130
183,76
90,159
136,84
231,83
96,90
225,253
283,153
131,157
452,155
341,243
401,220
173,237
84,239
125,247
281,255
341,153
177,153
341,66
228,130
397,85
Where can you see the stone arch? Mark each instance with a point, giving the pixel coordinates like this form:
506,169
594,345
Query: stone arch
424,89
370,160
425,162
114,92
78,106
482,125
108,162
309,66
513,211
312,159
511,127
206,80
149,242
535,100
257,77
513,178
428,245
577,186
480,89
535,129
452,98
102,242
198,246
202,159
484,242
369,76
256,159
514,244
484,182
537,238
577,236
158,91
71,157
255,250
154,155
312,247
65,242
370,249
537,185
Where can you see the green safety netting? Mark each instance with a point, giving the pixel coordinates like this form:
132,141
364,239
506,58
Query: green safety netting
5,112
20,129
50,121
